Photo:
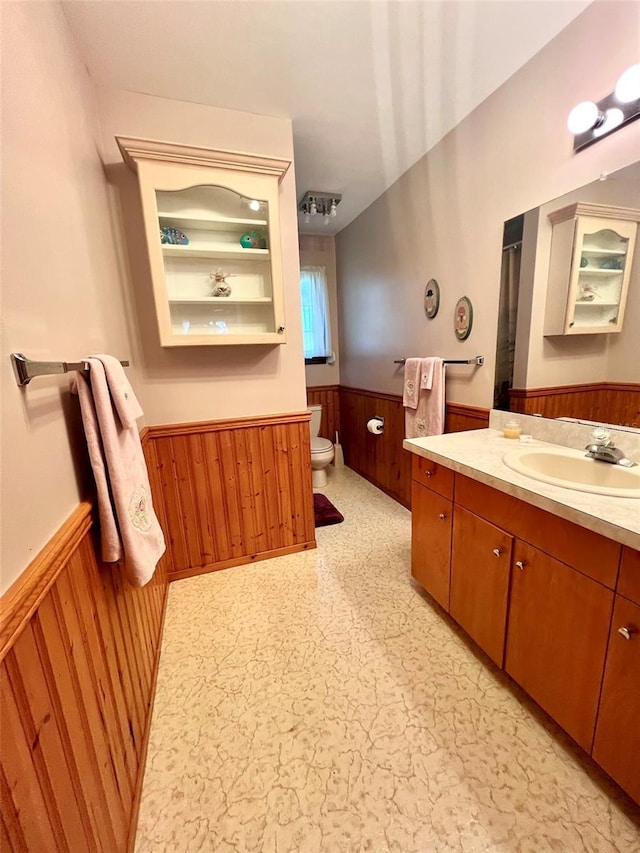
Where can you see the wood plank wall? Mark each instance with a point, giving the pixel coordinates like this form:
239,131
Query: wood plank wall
328,397
79,650
232,492
381,459
611,402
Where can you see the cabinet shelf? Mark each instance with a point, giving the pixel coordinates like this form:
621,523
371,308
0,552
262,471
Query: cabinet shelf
171,251
602,252
208,223
224,300
580,304
599,272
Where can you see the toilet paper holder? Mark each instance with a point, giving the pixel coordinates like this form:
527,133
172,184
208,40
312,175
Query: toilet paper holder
375,425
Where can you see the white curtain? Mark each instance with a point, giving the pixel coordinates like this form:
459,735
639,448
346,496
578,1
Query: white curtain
315,312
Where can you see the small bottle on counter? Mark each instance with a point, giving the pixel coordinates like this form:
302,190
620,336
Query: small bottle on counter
511,429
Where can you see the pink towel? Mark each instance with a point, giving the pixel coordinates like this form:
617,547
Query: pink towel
128,525
428,416
412,373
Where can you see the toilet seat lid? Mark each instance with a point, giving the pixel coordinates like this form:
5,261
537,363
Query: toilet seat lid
320,445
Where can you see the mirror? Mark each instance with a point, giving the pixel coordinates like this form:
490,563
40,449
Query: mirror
590,377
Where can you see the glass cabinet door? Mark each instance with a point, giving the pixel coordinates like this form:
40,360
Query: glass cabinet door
215,246
599,275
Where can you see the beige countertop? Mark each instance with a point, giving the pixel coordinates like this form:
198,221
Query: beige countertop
478,454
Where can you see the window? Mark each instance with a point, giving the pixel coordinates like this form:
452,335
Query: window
316,328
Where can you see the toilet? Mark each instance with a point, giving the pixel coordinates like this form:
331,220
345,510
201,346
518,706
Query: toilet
321,450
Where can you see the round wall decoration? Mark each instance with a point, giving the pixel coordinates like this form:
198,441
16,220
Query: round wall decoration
431,298
463,318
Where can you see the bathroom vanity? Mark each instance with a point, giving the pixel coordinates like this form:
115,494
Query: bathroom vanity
546,580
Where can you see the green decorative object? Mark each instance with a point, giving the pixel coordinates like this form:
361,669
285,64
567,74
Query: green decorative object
253,240
584,262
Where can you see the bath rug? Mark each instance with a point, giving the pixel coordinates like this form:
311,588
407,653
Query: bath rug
325,512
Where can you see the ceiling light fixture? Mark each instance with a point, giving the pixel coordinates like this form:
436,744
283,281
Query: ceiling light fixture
590,121
319,203
254,204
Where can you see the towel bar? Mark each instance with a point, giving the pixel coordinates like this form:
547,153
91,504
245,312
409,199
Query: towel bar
478,359
25,369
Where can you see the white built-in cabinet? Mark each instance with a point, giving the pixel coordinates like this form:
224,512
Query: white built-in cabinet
592,248
212,224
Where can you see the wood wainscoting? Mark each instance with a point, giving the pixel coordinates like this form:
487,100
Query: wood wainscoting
232,492
327,396
381,458
609,402
79,651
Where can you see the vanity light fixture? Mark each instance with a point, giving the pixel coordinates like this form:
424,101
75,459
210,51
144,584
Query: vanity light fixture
322,203
590,121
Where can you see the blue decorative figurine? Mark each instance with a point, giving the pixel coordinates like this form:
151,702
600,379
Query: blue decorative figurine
173,237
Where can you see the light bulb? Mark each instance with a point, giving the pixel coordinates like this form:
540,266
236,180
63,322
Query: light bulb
628,85
334,209
313,207
254,204
583,117
612,118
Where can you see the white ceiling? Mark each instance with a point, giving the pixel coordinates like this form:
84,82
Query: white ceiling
371,85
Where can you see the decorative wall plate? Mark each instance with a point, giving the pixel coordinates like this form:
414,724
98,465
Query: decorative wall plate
431,298
463,318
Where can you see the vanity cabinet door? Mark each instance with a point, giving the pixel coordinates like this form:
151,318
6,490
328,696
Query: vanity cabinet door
617,742
557,638
431,542
480,561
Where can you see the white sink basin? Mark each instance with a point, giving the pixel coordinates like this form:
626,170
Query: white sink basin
571,469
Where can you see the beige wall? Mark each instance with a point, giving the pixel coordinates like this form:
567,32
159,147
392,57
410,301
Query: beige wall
320,251
201,383
444,217
61,290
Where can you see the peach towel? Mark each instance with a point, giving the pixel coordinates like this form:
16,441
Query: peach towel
128,525
427,417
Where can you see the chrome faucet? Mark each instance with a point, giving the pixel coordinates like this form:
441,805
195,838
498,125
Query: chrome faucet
603,449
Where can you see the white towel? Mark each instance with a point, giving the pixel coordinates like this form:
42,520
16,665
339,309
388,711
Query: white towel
426,372
412,374
428,416
128,525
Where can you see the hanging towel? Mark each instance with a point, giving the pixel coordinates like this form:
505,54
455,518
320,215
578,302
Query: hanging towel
129,528
428,416
426,372
412,374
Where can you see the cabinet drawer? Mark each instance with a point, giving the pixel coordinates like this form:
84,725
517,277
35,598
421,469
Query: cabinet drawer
589,552
557,638
629,580
431,520
617,742
434,476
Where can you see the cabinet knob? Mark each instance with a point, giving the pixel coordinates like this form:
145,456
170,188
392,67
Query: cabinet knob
626,632
442,515
280,329
428,473
520,564
497,552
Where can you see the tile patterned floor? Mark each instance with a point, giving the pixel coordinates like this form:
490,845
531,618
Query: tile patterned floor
319,702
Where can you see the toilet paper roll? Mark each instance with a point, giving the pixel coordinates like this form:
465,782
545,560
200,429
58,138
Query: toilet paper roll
375,426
